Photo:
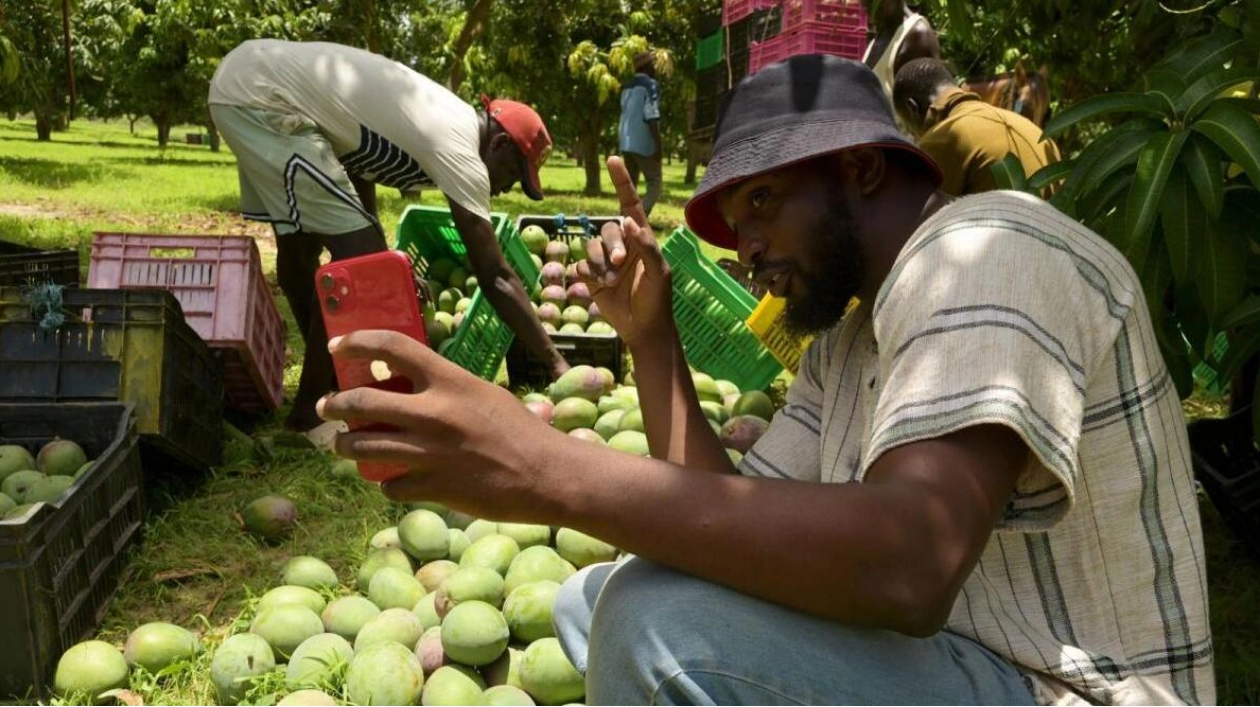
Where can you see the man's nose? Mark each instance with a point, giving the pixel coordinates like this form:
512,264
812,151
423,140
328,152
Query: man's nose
751,246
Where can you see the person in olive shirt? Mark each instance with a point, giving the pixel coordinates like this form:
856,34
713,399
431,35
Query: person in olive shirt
965,135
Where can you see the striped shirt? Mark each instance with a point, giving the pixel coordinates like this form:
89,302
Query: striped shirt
386,123
1000,309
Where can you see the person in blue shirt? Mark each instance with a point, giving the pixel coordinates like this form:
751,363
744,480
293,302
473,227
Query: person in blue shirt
639,130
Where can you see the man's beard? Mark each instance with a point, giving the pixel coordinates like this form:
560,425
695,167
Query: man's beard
835,271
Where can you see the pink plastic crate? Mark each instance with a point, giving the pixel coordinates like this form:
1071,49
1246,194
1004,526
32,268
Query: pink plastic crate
219,282
810,38
735,10
846,15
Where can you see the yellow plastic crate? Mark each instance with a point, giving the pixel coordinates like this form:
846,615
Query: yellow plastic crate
767,322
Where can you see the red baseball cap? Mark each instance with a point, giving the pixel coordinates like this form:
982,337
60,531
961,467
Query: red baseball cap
526,129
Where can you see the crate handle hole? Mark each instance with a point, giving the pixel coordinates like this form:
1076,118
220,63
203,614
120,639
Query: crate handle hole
181,253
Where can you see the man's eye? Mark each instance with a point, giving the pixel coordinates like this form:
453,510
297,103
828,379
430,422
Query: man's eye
759,198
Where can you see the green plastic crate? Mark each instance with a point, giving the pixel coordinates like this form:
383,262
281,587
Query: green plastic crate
427,233
1205,375
711,311
709,50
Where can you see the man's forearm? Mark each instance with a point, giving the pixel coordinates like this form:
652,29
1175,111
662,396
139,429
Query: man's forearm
510,300
676,427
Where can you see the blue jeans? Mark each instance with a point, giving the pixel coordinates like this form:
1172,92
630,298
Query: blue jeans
646,635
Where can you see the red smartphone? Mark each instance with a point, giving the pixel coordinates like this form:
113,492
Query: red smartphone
376,291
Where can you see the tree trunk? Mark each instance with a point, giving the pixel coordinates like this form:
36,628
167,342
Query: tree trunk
43,127
474,23
60,123
590,161
213,131
131,123
690,177
163,125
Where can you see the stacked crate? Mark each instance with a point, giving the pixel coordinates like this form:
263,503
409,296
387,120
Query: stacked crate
756,33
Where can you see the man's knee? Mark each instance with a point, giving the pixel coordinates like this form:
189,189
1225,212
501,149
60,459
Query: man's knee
572,609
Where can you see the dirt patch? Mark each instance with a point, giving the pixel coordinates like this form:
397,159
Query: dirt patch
29,211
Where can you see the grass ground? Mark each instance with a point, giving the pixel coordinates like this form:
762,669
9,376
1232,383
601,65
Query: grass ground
195,567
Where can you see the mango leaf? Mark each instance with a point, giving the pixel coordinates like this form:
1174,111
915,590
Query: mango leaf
1255,411
1120,153
1173,347
1250,105
1090,108
1009,173
1193,322
1184,220
1235,131
1154,165
959,19
1243,344
1094,151
1048,175
1222,273
1201,93
1155,275
1201,56
1111,194
1245,314
1165,82
1204,167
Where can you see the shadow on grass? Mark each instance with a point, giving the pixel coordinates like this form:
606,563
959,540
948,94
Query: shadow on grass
52,173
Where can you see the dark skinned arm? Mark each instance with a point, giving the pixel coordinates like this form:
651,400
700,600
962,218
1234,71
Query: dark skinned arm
920,43
502,285
367,194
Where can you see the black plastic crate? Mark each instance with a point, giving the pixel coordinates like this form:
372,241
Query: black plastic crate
1227,463
128,345
60,563
23,265
565,227
525,370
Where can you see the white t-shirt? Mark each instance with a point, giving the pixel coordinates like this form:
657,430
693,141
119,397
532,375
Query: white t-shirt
386,123
1001,310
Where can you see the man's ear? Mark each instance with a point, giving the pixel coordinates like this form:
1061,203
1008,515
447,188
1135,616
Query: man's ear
864,168
500,141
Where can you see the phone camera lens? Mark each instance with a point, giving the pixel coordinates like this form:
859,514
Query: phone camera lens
326,281
332,303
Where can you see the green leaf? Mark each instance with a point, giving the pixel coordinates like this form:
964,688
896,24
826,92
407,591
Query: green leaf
1117,154
1222,273
1176,355
1072,189
1200,56
959,19
1243,344
1009,173
1184,220
1048,175
1164,82
1201,93
1245,314
1203,164
1156,277
1235,131
1142,103
1255,410
1111,194
1154,165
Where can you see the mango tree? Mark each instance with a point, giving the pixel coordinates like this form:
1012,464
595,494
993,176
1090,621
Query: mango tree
1173,184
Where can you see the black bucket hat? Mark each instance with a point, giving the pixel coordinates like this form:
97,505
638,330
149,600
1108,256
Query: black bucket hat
798,109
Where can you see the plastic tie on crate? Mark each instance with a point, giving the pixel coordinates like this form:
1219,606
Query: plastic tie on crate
585,223
559,219
46,305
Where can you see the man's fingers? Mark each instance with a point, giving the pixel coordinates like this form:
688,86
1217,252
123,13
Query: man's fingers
404,355
381,447
645,243
369,405
611,243
627,195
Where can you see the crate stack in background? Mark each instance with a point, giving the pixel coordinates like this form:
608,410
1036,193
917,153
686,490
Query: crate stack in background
756,33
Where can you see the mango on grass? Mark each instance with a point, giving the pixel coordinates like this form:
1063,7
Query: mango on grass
239,660
90,668
288,594
316,661
474,633
581,549
395,588
285,626
308,698
448,685
391,625
346,616
548,676
309,572
386,673
507,695
156,645
528,610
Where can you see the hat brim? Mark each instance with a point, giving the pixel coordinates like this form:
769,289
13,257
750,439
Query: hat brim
776,149
531,184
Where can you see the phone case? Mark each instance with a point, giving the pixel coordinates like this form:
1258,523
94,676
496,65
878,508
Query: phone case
376,291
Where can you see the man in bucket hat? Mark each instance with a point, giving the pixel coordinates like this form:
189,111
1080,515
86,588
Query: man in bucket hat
978,490
316,126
